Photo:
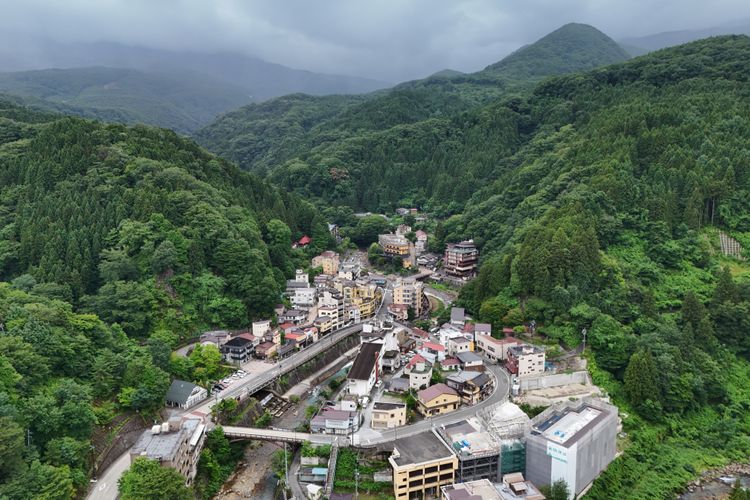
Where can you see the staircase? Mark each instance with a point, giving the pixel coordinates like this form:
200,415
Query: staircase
331,476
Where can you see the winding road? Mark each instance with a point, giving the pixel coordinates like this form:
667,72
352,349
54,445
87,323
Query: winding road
502,387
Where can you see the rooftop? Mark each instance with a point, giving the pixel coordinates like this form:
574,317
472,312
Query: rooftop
484,328
525,350
562,426
424,447
427,395
164,446
458,314
472,490
468,357
180,391
382,405
365,361
463,376
469,438
238,342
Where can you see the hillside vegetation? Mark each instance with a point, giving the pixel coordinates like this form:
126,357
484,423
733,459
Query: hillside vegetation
358,134
118,244
142,226
606,219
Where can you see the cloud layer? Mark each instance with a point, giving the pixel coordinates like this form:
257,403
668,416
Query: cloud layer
389,40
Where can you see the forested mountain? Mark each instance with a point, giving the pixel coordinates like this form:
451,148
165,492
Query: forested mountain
136,222
597,200
181,101
606,218
329,131
182,91
116,244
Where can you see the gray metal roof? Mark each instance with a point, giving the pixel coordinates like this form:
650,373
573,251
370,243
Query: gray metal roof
180,391
467,357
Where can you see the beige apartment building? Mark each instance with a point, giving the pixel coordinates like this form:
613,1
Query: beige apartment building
329,261
388,415
421,465
411,294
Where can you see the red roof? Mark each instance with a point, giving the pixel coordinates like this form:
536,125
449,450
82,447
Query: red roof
295,336
247,336
416,359
433,346
469,328
305,240
287,326
507,330
420,333
450,361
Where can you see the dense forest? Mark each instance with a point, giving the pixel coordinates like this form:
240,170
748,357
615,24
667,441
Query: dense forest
333,145
116,245
607,219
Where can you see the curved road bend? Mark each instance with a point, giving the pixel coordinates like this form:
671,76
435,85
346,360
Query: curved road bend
502,387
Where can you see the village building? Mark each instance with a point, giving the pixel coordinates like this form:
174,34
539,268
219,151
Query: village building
366,369
329,261
525,360
437,399
460,259
183,394
386,415
176,444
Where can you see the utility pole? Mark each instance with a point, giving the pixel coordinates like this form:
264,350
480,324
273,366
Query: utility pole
286,471
356,482
584,332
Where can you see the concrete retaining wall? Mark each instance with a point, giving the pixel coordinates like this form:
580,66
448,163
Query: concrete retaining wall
557,380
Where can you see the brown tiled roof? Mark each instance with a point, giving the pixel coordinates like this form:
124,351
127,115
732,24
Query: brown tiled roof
426,395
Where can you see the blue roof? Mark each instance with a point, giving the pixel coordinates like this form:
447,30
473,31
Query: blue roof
320,471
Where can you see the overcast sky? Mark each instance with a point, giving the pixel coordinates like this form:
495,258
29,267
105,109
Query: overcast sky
391,40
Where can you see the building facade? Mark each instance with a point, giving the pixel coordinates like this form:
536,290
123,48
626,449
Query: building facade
329,261
460,259
525,360
573,441
421,465
388,415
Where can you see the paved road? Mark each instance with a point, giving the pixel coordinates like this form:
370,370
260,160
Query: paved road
106,487
502,387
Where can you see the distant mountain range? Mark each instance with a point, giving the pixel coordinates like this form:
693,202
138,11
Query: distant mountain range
178,90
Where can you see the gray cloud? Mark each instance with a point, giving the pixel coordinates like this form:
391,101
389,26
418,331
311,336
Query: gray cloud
386,39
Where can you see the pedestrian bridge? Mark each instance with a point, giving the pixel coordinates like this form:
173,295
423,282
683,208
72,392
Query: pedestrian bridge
284,436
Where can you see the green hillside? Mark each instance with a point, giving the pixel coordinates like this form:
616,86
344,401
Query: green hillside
573,47
333,124
98,212
183,102
607,218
